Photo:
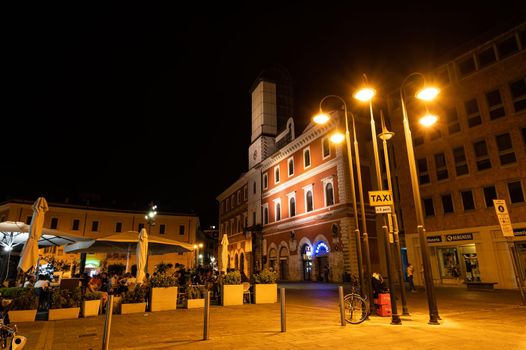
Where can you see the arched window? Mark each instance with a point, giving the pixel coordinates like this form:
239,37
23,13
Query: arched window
278,211
329,194
306,158
292,206
265,215
309,204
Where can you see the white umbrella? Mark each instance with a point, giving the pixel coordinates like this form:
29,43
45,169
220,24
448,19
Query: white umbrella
224,253
142,255
29,255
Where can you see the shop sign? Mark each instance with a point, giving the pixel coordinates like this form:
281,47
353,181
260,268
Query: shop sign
519,231
459,237
434,239
503,216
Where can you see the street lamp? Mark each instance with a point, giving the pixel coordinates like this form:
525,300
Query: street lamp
426,94
323,118
197,246
366,94
150,217
385,136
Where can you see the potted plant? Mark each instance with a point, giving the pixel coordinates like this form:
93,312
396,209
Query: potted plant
65,304
265,287
232,290
163,291
195,296
134,301
24,306
91,303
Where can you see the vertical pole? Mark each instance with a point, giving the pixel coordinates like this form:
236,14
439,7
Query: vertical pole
342,306
395,318
282,308
207,317
107,324
518,275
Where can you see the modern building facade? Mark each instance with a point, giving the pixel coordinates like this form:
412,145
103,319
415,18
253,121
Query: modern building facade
92,222
292,210
476,153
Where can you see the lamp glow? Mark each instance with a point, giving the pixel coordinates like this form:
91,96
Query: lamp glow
428,120
428,93
321,118
8,248
365,94
337,137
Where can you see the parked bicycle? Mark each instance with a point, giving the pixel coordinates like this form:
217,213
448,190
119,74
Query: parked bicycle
356,307
9,339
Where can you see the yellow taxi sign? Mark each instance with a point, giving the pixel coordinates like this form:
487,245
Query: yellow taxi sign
377,198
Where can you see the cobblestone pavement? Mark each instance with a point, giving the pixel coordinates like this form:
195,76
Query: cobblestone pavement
469,320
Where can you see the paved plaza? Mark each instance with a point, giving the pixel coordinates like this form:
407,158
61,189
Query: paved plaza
469,320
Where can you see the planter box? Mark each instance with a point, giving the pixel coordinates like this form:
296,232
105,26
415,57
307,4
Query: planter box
232,294
195,303
63,314
90,308
164,299
133,308
266,293
22,315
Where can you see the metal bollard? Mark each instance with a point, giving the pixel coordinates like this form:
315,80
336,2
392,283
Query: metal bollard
207,316
107,324
342,306
283,316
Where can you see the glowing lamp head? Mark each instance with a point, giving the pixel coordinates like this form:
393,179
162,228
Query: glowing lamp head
428,93
321,118
365,94
428,120
8,248
337,137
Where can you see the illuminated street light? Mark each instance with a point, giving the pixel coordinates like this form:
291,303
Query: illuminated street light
366,95
428,275
318,118
198,256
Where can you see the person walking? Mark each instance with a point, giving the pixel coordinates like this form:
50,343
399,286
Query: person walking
410,273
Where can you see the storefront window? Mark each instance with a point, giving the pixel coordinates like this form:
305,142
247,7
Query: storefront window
449,266
521,255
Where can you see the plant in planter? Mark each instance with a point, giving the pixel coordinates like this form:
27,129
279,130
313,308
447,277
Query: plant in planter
65,304
163,291
265,287
134,301
232,291
91,303
195,296
24,305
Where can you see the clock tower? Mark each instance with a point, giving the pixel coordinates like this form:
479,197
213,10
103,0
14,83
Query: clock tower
264,122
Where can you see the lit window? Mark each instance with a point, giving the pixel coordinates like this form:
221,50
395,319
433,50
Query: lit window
291,166
276,174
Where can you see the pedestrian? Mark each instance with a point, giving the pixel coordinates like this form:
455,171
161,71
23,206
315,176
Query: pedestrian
410,274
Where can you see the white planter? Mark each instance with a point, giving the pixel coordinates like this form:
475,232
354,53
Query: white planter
90,308
195,303
22,315
133,308
266,293
232,294
63,314
164,299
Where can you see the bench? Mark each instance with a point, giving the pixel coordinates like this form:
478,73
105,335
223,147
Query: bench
480,285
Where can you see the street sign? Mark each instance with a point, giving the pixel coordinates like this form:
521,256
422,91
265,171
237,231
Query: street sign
380,198
503,216
382,209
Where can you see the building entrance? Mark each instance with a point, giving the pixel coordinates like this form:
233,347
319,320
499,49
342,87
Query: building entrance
306,255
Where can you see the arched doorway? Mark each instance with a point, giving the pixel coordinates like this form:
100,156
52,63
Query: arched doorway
283,263
242,264
306,256
237,262
272,259
321,251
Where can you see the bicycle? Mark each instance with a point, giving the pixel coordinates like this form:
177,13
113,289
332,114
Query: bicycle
9,339
356,307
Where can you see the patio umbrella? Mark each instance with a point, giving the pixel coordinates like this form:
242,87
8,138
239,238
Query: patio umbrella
224,252
142,255
29,255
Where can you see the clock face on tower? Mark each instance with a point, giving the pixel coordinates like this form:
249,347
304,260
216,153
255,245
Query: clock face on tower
255,154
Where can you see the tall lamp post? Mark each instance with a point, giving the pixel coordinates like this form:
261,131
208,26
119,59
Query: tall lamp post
322,118
150,217
366,95
197,246
385,136
426,94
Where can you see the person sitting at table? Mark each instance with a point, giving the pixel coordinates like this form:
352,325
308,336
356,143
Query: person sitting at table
42,291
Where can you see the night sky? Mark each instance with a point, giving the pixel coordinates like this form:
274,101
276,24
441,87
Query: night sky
124,104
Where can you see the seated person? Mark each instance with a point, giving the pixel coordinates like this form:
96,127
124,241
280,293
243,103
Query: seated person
378,284
30,281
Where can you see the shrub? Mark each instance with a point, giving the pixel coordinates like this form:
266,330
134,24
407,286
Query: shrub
23,298
196,292
65,298
163,280
233,277
163,267
266,276
137,295
92,295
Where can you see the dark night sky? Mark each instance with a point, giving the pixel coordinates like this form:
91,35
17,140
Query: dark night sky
148,103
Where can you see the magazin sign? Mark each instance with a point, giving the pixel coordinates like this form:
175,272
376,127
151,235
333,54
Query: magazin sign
459,237
434,239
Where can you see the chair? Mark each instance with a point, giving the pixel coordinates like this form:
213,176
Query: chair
247,294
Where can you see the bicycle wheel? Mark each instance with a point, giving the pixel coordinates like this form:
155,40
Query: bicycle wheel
355,309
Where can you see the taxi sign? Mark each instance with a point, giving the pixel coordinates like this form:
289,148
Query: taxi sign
383,198
503,216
